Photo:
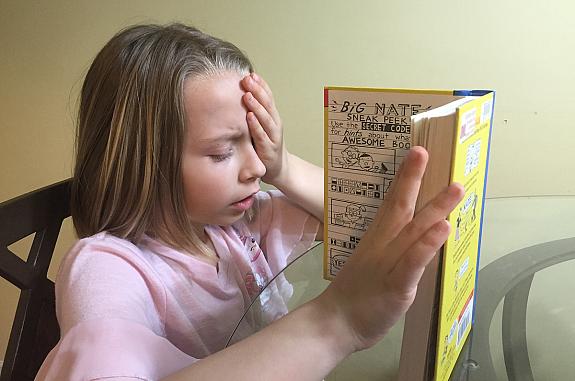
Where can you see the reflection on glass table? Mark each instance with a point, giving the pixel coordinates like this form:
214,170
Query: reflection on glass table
304,273
508,280
297,283
526,250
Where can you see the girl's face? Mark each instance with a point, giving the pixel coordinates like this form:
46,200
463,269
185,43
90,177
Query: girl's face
221,170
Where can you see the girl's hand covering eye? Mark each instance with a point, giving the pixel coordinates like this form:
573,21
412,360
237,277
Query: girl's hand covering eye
265,127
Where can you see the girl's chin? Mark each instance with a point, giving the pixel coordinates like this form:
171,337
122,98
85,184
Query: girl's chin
230,219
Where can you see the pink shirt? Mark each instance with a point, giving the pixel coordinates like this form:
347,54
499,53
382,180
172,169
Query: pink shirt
145,311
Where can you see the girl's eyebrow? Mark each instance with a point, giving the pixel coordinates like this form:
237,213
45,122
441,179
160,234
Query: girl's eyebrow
226,137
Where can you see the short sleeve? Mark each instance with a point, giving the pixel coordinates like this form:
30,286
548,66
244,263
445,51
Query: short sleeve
283,229
110,306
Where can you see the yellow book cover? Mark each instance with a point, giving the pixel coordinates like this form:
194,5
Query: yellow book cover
461,251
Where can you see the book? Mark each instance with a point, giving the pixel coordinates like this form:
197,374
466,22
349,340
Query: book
368,132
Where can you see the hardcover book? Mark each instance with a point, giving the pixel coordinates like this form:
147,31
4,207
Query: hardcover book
368,132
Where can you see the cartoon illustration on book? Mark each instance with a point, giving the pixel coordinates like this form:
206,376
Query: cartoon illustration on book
366,162
349,157
353,217
338,259
444,353
474,207
363,159
458,225
456,280
466,215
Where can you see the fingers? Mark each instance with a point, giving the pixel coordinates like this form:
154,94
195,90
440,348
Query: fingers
264,118
262,83
399,205
433,213
259,89
259,135
408,271
265,127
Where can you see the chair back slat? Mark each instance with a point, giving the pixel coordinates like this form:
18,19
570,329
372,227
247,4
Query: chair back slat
15,270
32,339
32,212
43,247
35,328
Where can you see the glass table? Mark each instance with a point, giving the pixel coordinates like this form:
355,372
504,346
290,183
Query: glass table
524,328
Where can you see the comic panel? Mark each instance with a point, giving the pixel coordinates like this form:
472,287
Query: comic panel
363,159
372,190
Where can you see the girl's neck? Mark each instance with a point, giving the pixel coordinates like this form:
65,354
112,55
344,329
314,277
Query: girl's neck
205,238
206,251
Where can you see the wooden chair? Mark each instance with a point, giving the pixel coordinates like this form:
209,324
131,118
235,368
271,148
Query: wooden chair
35,329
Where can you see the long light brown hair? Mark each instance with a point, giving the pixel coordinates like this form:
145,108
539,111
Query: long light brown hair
130,132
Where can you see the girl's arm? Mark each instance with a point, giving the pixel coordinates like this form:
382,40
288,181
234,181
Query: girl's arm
302,182
304,345
299,180
373,290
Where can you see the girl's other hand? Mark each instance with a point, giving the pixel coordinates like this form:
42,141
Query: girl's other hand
379,281
265,128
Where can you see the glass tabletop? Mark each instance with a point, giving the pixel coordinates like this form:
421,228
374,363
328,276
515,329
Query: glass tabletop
526,247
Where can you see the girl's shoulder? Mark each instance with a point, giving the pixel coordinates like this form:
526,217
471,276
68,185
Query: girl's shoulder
100,251
107,277
103,243
105,239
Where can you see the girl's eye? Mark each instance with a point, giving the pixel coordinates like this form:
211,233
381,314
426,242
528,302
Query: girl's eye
222,157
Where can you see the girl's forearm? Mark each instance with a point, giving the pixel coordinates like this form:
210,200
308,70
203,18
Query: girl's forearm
303,184
304,345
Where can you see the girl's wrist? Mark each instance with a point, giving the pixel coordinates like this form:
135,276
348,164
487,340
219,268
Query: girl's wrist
335,325
282,179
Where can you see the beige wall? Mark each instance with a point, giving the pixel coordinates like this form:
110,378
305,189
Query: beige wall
522,49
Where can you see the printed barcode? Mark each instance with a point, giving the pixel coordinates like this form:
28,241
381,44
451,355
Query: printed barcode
464,322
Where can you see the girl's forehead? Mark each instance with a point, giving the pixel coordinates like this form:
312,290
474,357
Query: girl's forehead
214,80
213,90
213,105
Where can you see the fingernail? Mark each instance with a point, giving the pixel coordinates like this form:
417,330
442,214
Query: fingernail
453,189
442,226
409,155
255,77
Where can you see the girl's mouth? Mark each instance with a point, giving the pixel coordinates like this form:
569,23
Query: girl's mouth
244,204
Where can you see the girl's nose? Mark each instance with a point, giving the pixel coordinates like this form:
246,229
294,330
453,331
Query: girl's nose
252,167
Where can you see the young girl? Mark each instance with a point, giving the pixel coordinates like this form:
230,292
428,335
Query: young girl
175,132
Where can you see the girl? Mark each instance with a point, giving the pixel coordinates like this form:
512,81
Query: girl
175,132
